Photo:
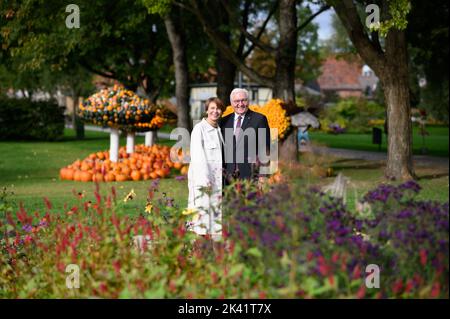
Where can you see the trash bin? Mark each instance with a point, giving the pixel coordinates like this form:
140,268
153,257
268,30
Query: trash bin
377,136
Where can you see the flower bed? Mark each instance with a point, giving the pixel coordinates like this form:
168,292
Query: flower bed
280,243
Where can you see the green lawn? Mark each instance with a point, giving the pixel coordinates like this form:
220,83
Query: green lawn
31,169
436,141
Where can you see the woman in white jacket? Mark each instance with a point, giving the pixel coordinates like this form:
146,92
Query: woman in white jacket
205,172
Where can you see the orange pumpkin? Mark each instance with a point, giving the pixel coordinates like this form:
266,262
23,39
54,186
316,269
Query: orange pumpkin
84,166
153,175
69,173
121,177
184,170
77,175
135,175
109,177
97,177
177,165
62,173
85,176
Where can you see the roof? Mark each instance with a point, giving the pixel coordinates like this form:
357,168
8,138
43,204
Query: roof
340,74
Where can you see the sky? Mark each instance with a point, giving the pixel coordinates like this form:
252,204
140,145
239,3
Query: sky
324,22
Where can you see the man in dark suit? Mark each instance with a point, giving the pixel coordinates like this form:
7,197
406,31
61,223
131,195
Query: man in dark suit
247,140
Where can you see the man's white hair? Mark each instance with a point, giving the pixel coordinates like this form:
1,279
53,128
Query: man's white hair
238,90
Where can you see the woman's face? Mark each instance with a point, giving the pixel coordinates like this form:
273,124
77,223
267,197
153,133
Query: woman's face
214,112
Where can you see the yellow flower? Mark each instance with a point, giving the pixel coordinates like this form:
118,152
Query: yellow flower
189,211
130,196
148,207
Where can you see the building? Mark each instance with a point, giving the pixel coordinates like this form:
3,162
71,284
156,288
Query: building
347,78
201,92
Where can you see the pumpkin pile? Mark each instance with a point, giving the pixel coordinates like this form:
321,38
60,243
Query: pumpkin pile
120,108
275,113
147,162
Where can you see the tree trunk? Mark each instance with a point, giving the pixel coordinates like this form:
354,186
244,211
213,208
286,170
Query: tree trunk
284,87
288,148
226,72
391,67
77,124
177,41
395,82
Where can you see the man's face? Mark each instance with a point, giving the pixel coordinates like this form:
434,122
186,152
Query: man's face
240,103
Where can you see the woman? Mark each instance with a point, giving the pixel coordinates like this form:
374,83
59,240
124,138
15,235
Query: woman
205,172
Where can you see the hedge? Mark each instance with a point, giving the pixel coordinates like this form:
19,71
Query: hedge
23,119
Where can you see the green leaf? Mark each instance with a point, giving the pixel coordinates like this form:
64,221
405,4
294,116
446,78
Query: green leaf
255,252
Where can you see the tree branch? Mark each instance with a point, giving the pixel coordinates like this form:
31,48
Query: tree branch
228,52
307,21
368,50
263,46
263,27
87,66
245,13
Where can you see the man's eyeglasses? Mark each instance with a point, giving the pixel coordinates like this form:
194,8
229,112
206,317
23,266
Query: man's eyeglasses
240,101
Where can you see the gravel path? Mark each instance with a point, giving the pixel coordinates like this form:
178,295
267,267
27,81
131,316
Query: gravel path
420,160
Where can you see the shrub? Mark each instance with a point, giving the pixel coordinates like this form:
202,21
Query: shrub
25,119
352,114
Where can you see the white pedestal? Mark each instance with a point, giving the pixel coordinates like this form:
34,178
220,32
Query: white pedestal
130,142
150,138
114,145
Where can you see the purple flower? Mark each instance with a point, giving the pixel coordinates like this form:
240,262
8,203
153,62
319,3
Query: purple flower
180,178
28,228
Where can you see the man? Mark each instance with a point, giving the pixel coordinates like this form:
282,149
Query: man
247,140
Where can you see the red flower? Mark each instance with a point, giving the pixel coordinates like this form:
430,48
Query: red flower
423,257
356,272
116,265
409,286
361,292
436,290
397,287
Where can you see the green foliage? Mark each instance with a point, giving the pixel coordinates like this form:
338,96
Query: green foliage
353,114
398,11
25,119
161,7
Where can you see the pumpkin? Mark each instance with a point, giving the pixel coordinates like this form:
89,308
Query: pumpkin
85,176
184,170
69,173
135,175
62,173
121,177
77,175
97,177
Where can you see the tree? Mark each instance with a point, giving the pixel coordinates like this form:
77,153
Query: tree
115,40
391,66
428,43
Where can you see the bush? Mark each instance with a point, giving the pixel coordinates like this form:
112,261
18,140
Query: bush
28,120
352,114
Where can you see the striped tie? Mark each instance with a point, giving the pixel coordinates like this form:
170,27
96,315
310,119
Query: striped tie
238,127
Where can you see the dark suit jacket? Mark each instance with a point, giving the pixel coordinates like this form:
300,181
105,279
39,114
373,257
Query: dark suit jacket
241,156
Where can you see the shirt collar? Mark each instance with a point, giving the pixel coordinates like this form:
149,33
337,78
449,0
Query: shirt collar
237,115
